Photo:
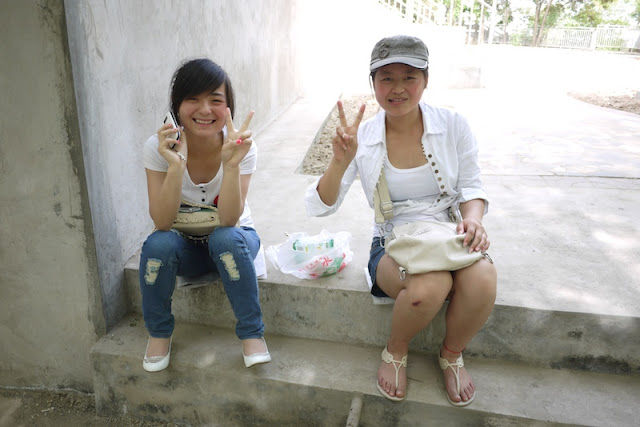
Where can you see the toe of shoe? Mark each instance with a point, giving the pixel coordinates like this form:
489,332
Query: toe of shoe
152,364
254,359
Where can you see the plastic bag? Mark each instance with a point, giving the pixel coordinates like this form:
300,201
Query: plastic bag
311,257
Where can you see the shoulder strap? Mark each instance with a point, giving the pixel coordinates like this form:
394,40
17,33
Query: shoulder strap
382,204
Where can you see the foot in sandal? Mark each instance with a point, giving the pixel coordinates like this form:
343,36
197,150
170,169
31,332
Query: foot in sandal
458,383
392,375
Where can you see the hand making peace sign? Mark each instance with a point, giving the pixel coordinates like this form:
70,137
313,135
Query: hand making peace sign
345,142
238,142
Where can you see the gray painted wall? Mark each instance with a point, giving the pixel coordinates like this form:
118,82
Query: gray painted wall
123,56
50,309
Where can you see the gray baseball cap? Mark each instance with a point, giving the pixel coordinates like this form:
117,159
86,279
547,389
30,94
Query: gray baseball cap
400,49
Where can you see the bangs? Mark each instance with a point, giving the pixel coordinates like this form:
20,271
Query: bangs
199,76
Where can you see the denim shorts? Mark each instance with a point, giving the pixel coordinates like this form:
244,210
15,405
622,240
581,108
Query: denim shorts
375,254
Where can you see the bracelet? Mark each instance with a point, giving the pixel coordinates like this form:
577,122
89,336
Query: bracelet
451,351
181,156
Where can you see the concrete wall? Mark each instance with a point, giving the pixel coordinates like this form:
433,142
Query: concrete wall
123,56
84,83
50,309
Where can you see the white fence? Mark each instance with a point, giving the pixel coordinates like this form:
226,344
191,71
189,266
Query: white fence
602,37
483,30
417,11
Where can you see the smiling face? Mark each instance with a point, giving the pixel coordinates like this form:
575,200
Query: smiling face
398,88
204,114
200,93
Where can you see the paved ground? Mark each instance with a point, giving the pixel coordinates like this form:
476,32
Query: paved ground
562,176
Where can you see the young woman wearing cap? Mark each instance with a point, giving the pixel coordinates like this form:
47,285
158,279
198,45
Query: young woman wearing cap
428,155
208,162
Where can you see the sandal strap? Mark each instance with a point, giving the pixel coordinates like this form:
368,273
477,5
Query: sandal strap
388,358
444,363
455,367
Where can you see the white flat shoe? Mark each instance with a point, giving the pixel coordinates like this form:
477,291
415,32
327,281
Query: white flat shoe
256,358
156,363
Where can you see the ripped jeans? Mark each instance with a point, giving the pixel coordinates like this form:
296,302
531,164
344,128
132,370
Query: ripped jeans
230,251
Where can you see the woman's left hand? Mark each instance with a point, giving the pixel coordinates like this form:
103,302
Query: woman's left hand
238,141
476,238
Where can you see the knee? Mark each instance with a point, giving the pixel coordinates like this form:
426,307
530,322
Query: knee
483,286
429,288
226,239
157,251
160,244
417,298
488,279
228,245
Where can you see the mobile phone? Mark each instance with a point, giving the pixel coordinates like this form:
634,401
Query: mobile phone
170,118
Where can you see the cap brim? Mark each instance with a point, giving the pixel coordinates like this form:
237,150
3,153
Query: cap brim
420,64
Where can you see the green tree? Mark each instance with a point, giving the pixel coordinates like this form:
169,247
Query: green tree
538,23
586,13
505,13
636,14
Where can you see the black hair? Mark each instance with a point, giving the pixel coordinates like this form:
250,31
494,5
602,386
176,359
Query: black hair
196,76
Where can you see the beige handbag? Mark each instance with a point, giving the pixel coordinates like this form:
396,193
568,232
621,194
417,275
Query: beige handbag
195,219
422,246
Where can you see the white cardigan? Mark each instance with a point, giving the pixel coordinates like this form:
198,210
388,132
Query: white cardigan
449,145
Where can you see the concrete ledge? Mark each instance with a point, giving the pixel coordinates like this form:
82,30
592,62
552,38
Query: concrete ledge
313,382
339,309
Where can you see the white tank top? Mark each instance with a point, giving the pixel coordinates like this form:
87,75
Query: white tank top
415,183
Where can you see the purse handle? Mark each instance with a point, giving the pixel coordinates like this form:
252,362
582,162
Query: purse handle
382,204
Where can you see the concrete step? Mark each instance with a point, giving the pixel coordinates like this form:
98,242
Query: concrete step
339,308
315,382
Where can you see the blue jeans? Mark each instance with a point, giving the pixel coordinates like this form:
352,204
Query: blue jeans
375,255
230,251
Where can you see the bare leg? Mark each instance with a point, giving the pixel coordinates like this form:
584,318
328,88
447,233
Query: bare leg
418,300
474,294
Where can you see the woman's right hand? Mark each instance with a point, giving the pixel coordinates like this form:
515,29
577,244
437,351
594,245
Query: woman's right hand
178,153
345,142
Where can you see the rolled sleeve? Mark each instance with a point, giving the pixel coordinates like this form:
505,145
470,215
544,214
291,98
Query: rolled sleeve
474,193
469,182
314,204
